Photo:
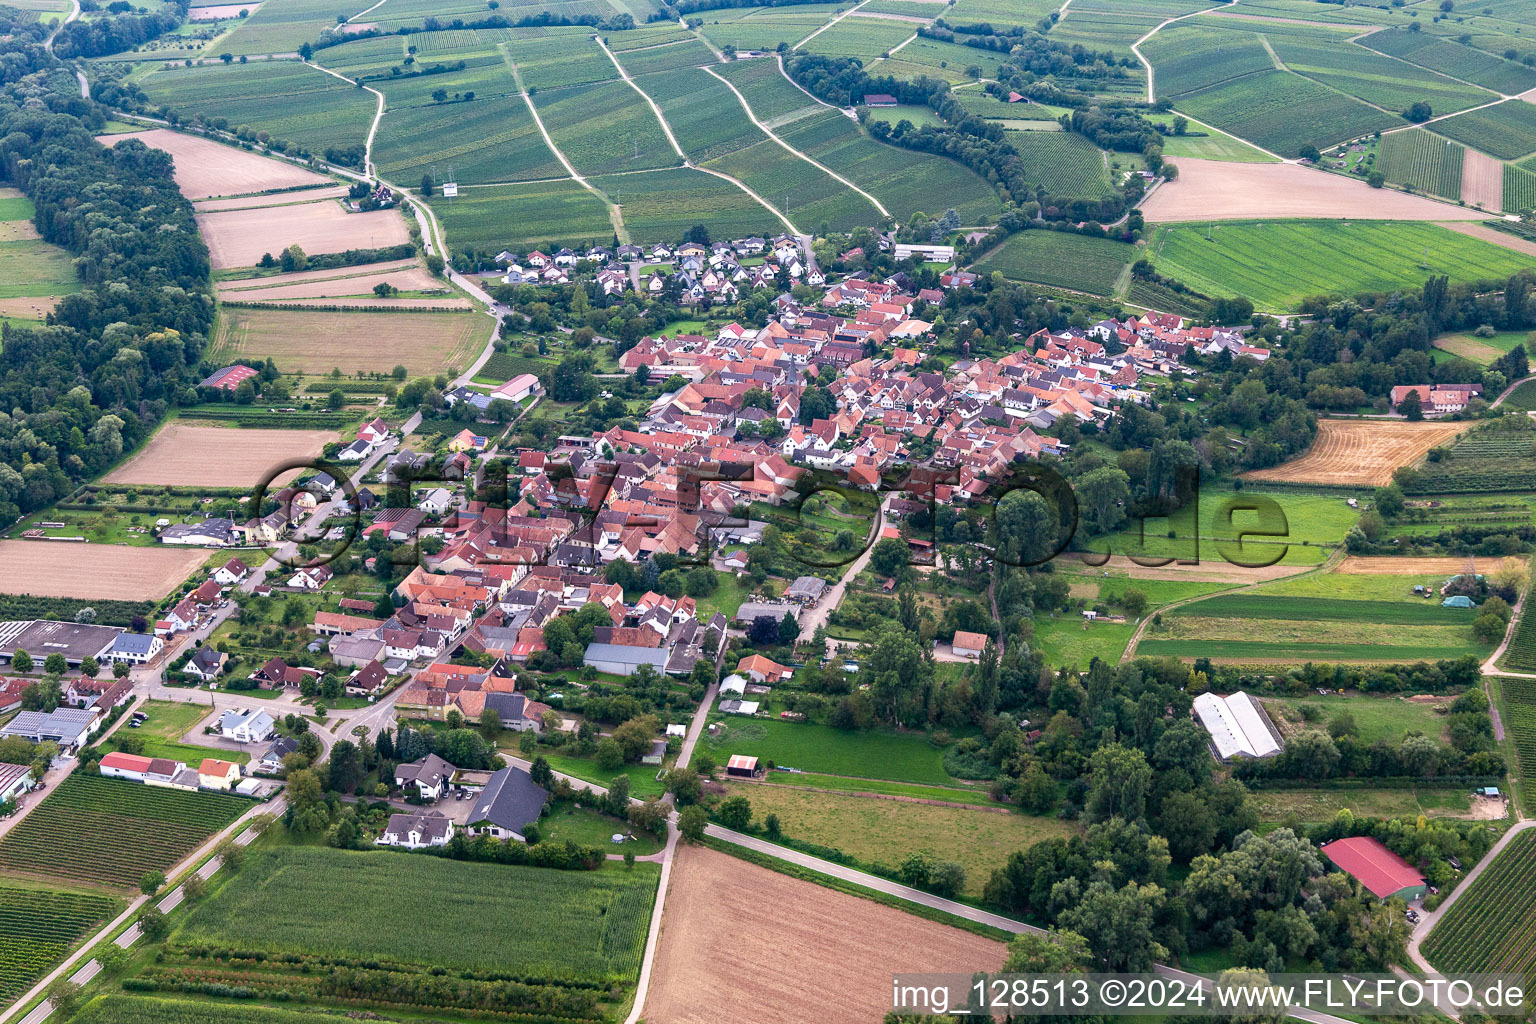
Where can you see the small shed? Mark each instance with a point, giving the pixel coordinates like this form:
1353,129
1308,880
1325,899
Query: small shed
1492,791
741,766
657,754
1457,601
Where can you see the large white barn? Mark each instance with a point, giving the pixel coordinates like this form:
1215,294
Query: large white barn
1238,726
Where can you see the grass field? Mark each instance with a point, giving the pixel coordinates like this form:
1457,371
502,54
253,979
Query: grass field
1483,350
304,341
877,831
1422,160
1492,926
34,275
291,101
168,722
38,927
1321,805
569,925
1069,641
1206,143
524,216
1079,262
109,832
1507,131
1203,629
1278,264
899,757
1376,718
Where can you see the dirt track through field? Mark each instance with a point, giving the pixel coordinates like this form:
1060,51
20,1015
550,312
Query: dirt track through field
1361,452
1494,236
1482,181
1211,570
1225,190
239,238
105,572
1391,565
741,944
307,195
205,169
188,455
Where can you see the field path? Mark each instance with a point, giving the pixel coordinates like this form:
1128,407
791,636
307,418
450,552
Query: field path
829,24
615,215
169,900
677,147
1136,46
1429,918
808,159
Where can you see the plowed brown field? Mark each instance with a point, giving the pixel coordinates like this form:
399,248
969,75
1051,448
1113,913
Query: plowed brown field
1390,565
744,945
107,572
189,455
205,168
1363,452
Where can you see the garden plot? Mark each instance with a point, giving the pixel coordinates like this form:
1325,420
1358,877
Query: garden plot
185,454
109,572
815,953
205,169
1362,453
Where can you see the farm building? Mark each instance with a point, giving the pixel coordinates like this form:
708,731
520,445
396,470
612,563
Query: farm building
518,388
1237,726
623,661
229,378
657,753
509,802
806,589
742,767
42,637
969,645
15,779
416,831
750,611
1368,861
68,727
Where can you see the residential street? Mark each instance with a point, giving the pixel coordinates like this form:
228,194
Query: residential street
819,612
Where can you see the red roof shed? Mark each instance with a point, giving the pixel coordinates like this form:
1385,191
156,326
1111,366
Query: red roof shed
1377,868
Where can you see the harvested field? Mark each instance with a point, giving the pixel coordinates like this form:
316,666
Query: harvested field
215,12
1482,181
185,454
329,274
304,341
815,953
411,278
1391,565
1360,452
205,169
28,307
1468,347
1225,190
308,195
1495,236
107,572
18,231
239,238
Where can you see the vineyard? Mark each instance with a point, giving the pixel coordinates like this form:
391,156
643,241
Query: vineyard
1519,189
572,927
1065,164
1482,461
110,832
132,1009
1520,707
38,927
1507,131
1065,260
1492,926
1423,161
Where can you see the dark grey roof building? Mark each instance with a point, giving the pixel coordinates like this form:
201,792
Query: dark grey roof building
509,802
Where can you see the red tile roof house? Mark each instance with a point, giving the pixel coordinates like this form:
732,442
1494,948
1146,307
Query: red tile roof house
969,645
1382,872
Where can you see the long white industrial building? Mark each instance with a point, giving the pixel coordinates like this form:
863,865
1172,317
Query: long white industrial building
1238,725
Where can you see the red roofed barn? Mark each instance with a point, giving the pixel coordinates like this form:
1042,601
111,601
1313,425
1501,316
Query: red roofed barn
1381,871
